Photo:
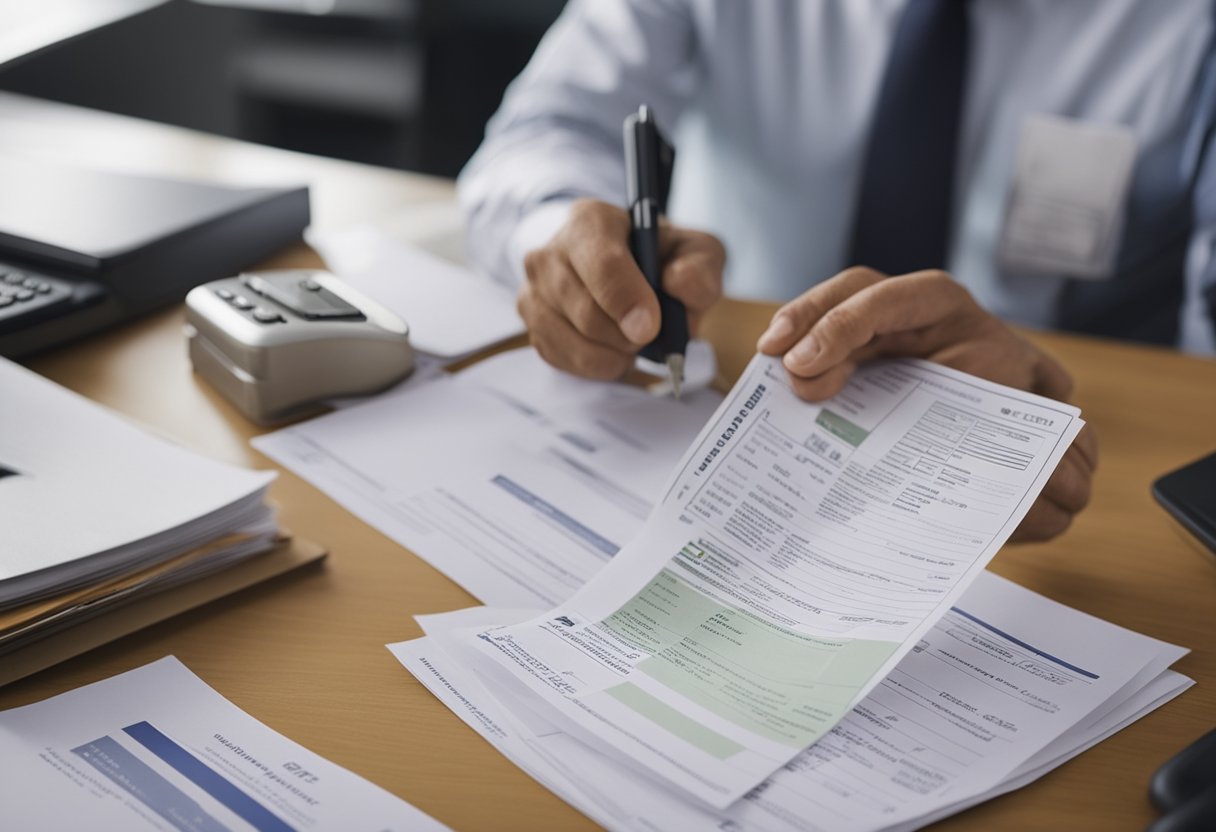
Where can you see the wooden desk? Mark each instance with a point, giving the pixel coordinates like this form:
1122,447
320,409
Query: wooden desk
305,653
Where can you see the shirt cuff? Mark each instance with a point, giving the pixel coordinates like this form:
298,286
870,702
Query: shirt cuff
535,231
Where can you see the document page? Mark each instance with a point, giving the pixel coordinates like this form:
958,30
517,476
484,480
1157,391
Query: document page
155,748
517,481
800,551
1004,678
86,494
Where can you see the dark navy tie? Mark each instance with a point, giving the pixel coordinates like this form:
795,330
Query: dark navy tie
902,220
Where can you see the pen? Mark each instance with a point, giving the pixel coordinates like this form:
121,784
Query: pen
649,159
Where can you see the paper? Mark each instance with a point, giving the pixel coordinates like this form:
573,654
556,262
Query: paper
451,311
88,495
155,748
1066,208
996,694
799,553
516,480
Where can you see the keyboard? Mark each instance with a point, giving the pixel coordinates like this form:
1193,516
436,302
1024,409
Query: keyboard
27,296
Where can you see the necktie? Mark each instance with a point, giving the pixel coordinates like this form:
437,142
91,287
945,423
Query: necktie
902,220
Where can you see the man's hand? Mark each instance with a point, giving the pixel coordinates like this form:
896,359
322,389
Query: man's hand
587,306
861,314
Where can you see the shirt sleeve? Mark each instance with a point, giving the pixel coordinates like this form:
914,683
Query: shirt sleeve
557,136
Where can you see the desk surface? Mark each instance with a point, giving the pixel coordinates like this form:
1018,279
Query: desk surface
304,653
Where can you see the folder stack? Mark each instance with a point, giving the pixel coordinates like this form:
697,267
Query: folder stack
95,512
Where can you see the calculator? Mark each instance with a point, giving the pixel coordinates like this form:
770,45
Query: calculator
276,344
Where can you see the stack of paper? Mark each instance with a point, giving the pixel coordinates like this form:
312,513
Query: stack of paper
793,640
516,480
95,511
990,700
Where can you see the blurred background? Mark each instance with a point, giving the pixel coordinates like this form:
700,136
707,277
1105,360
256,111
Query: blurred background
401,83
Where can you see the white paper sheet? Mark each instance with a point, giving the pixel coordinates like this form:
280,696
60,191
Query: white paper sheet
516,480
800,551
451,311
84,493
989,698
156,748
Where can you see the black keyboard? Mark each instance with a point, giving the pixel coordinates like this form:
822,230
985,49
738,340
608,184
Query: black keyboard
27,296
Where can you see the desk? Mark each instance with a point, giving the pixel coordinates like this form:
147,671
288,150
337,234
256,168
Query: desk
304,653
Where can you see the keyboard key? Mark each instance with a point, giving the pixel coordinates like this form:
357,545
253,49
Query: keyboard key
266,316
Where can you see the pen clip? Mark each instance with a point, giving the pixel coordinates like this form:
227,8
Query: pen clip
649,160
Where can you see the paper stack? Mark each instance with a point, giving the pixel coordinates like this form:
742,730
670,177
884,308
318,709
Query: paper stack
96,512
802,636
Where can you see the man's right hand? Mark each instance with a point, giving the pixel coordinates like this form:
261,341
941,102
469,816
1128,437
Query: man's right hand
587,306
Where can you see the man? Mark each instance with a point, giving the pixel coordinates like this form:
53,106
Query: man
1052,155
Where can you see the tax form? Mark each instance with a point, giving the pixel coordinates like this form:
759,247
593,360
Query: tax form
156,749
800,551
516,480
1005,686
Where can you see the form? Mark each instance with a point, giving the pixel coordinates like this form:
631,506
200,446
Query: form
155,748
516,480
1005,686
799,553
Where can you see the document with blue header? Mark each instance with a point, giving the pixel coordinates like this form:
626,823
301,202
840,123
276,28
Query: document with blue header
155,748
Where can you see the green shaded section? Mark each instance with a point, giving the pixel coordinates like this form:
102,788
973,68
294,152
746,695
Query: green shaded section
686,728
787,686
839,426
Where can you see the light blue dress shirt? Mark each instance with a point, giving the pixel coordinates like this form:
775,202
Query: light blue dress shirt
770,101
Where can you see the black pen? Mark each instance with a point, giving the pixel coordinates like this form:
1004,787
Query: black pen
649,159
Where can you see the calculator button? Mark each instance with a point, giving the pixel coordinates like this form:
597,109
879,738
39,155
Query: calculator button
42,288
5,300
23,294
266,316
241,302
223,294
14,278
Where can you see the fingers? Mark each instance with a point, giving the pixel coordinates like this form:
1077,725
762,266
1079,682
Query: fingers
1069,486
825,385
1086,446
586,302
794,320
1066,493
693,262
1044,521
1053,381
596,244
553,280
563,346
894,305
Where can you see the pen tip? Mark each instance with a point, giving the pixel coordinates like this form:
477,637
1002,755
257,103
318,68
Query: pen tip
675,369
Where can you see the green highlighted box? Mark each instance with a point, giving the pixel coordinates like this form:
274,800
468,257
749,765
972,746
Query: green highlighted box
837,425
786,686
684,727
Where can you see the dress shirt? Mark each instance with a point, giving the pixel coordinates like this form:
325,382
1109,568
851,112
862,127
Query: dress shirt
770,101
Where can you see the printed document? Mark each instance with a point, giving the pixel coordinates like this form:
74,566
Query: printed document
155,748
516,480
800,551
1004,687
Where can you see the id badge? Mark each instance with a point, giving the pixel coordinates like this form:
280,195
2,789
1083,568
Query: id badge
1066,205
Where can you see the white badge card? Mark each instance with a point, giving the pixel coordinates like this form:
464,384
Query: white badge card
1066,206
